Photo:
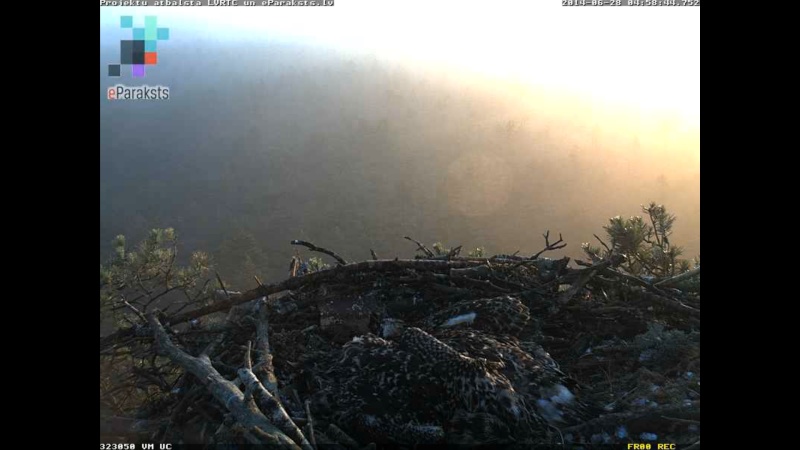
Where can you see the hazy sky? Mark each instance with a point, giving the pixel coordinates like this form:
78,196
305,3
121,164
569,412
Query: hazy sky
646,58
607,102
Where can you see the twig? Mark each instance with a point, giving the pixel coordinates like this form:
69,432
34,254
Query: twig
222,285
155,379
314,248
428,253
548,246
294,265
264,369
136,311
247,361
583,278
260,284
636,280
184,404
671,303
477,271
296,397
340,436
676,419
616,418
603,243
485,284
310,424
271,407
656,294
678,278
454,252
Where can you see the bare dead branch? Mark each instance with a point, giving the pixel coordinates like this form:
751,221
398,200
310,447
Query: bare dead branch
427,252
608,249
672,304
272,408
605,420
310,424
686,421
548,246
258,282
135,311
476,271
482,284
223,390
248,363
314,248
583,278
264,368
678,278
222,285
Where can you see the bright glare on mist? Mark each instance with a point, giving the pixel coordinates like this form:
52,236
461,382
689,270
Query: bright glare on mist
471,123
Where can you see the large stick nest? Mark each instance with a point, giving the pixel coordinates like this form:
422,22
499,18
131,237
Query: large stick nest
438,349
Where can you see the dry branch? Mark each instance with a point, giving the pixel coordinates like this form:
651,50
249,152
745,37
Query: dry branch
264,368
548,246
583,279
223,390
314,248
272,408
427,252
678,278
614,419
310,423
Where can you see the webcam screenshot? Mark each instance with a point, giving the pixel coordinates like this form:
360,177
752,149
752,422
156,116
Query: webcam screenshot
366,224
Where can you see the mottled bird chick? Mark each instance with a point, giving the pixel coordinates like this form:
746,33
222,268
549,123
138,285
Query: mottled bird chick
375,389
462,376
533,373
497,315
408,391
474,385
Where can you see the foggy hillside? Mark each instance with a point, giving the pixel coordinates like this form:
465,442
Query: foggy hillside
261,144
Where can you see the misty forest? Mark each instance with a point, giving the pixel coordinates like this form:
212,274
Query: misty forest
310,247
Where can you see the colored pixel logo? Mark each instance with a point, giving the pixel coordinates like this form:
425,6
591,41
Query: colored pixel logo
141,51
